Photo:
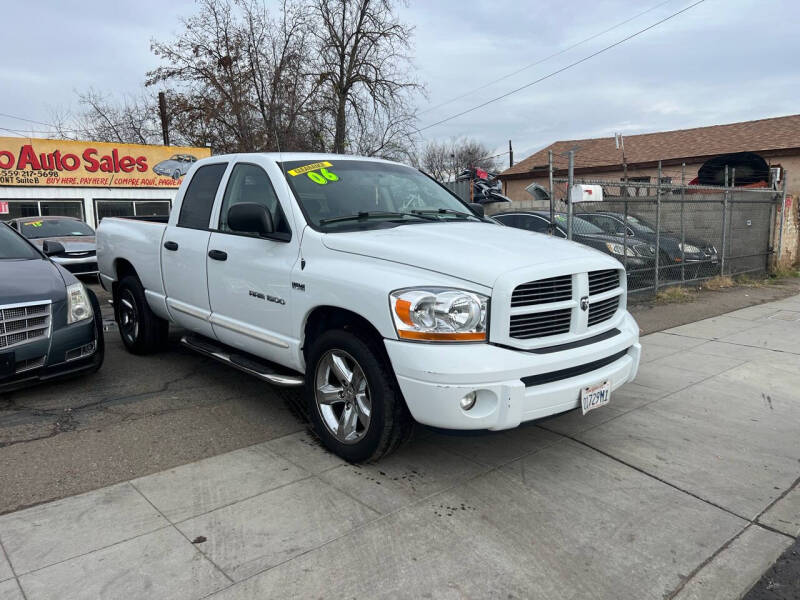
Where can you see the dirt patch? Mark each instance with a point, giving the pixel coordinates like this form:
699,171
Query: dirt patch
653,314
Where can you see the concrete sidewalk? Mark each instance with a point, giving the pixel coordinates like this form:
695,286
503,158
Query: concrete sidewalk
685,486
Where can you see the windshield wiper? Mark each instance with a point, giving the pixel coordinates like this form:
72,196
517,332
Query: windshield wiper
444,211
365,215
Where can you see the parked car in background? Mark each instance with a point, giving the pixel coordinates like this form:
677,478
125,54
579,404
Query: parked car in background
312,270
71,242
699,256
50,324
176,166
640,255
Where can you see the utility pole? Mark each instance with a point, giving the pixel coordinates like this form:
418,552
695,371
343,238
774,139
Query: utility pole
620,142
162,109
510,155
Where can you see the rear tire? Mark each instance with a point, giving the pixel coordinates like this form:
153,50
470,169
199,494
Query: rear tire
141,330
365,419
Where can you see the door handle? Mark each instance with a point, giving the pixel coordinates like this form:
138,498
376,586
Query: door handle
171,245
217,255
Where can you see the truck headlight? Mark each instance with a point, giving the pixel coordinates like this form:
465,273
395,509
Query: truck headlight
439,315
78,306
619,249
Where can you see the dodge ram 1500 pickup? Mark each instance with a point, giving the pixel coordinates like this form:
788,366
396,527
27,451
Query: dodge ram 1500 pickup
381,293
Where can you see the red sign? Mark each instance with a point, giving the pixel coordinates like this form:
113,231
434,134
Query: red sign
3,208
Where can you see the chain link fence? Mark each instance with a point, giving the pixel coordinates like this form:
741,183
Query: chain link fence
667,234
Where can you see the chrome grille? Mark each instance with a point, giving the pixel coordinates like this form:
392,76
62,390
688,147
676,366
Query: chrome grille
603,281
23,324
603,310
541,324
543,291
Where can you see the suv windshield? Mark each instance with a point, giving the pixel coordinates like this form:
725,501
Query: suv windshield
340,193
14,247
580,226
48,228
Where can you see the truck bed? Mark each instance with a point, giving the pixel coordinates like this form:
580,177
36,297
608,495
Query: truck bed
136,240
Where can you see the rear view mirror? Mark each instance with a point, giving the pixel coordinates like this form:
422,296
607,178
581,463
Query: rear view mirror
51,248
250,217
477,208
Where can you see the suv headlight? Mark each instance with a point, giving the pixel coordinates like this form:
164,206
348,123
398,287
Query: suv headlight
440,315
619,249
78,306
689,249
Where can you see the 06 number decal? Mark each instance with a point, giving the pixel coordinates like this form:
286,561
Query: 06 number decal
323,177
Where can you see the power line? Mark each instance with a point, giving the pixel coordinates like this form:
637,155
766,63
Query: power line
562,69
546,58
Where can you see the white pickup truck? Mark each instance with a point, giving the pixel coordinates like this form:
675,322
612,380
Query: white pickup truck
379,291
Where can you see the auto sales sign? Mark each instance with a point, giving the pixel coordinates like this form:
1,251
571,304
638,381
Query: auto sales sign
67,163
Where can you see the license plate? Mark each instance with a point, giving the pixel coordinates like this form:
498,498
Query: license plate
595,396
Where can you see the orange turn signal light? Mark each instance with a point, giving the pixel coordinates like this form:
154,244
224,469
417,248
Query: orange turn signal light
433,336
403,310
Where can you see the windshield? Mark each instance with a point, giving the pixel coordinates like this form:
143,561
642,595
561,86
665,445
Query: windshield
14,247
641,225
49,228
579,225
375,192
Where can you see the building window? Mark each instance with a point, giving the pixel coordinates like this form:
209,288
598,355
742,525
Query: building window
130,208
45,208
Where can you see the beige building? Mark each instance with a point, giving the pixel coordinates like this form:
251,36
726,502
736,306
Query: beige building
681,152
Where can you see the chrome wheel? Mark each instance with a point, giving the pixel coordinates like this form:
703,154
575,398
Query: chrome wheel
128,317
342,396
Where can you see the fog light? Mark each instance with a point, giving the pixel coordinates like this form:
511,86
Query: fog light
468,401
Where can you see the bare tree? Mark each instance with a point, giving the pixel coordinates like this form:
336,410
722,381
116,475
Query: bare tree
363,67
444,161
129,120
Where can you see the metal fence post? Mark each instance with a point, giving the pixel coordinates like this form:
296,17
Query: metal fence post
551,227
724,224
683,223
570,182
783,216
625,236
658,228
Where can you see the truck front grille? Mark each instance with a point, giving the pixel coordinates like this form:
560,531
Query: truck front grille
543,291
22,324
603,310
541,324
603,281
537,308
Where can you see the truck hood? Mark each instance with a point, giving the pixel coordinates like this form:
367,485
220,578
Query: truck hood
477,252
30,280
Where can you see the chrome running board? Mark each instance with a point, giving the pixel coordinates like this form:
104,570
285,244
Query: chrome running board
262,369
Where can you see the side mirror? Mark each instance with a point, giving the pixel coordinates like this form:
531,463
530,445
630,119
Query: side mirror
250,217
478,208
51,248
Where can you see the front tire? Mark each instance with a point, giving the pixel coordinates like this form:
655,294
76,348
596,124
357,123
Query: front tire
353,400
141,330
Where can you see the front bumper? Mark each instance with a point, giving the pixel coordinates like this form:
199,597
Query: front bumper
52,358
78,266
434,377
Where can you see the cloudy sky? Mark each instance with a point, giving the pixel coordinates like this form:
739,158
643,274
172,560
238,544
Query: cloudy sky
722,61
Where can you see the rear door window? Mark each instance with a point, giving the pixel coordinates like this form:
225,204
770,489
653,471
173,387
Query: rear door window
199,198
